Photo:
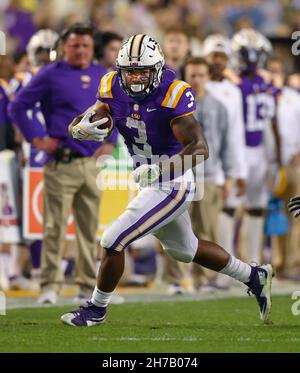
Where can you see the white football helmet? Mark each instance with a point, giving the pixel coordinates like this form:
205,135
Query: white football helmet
41,40
216,43
250,48
140,52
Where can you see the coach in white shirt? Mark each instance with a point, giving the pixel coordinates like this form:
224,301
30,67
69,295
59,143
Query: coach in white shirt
216,50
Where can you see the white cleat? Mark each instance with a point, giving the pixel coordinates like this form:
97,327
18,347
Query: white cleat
23,283
260,285
87,315
116,299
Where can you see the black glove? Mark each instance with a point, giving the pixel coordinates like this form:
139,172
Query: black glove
294,206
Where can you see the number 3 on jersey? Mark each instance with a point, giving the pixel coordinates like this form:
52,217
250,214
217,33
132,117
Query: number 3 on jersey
191,97
146,151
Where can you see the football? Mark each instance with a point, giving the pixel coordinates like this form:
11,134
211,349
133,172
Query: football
102,114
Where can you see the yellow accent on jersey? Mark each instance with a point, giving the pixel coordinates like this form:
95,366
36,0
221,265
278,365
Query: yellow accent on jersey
183,115
105,85
174,93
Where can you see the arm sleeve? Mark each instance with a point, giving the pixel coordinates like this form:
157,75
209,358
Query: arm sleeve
105,95
227,154
24,101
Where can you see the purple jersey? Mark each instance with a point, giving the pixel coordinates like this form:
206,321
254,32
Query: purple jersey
145,125
64,92
20,25
37,157
6,130
258,106
16,84
4,119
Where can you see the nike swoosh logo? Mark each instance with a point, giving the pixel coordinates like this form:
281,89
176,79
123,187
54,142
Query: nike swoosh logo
149,110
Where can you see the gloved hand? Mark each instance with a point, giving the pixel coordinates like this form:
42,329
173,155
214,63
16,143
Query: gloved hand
294,206
86,130
146,174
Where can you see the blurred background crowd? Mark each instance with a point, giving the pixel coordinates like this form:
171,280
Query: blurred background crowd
21,18
181,26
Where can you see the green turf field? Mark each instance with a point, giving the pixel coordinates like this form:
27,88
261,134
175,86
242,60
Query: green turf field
226,325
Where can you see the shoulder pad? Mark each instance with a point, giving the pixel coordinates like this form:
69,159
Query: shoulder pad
106,84
174,93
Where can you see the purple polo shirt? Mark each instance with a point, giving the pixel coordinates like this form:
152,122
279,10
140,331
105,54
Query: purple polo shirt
64,91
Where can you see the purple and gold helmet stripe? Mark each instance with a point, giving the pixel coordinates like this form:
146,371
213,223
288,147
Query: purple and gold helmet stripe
135,47
152,218
140,46
131,46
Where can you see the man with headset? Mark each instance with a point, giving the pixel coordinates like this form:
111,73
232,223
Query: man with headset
64,89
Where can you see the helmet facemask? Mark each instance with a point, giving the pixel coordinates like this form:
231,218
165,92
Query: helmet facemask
252,59
146,83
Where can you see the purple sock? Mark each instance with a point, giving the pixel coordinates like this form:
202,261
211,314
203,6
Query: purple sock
36,250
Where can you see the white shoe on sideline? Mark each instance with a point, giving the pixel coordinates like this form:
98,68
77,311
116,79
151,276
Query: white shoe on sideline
175,289
47,297
116,299
23,283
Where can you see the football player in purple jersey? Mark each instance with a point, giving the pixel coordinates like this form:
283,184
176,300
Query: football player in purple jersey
154,114
250,50
64,89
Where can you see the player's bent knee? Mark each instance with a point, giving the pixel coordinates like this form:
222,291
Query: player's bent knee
105,241
110,236
185,257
